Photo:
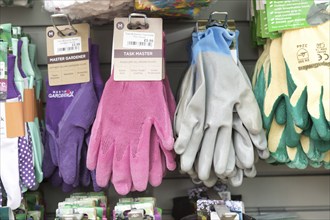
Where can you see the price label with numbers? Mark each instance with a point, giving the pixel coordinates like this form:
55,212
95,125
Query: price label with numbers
139,40
67,45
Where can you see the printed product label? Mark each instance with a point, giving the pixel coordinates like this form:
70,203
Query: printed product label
67,45
136,40
287,14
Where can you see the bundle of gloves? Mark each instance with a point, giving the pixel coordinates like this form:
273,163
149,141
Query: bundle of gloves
217,121
172,8
291,83
20,3
21,157
132,140
91,10
70,112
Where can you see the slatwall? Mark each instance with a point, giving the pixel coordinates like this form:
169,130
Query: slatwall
276,189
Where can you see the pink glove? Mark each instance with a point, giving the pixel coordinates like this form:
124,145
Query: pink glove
121,131
160,158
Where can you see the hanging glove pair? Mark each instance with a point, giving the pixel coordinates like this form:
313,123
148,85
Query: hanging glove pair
217,113
9,162
294,102
131,142
30,146
70,112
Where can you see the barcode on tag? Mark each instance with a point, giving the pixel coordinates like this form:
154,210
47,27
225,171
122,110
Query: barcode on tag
67,45
139,40
2,70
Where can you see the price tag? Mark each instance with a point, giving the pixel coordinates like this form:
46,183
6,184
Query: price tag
138,54
68,56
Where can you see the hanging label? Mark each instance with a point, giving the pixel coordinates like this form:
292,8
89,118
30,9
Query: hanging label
11,119
284,14
68,56
29,105
138,54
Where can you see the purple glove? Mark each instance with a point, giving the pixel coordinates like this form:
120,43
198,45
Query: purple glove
123,132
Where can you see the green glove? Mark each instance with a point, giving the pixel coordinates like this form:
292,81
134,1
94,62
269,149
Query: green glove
34,126
306,52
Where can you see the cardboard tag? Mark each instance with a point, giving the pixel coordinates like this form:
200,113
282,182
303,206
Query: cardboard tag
29,105
68,56
13,118
138,54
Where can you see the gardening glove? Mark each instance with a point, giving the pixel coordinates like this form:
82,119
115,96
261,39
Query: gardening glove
9,160
123,132
34,126
212,47
25,143
310,73
161,158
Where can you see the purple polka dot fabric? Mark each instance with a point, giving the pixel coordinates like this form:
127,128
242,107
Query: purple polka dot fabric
26,168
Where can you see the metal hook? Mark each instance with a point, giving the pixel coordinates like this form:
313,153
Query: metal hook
137,25
68,20
212,22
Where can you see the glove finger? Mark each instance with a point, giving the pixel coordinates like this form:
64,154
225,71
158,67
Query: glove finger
84,173
276,142
105,162
70,156
297,156
94,143
242,143
212,180
231,161
280,112
206,153
48,167
170,100
222,148
156,164
192,125
321,124
121,174
237,180
55,179
188,157
308,147
250,172
140,156
185,94
326,160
